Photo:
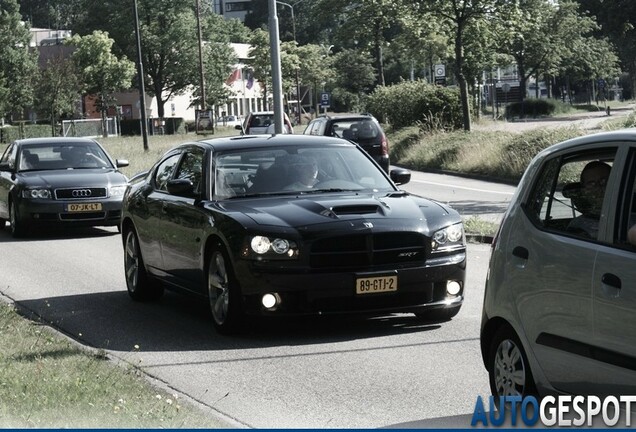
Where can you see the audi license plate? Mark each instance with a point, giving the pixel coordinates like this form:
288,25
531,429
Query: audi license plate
83,207
379,284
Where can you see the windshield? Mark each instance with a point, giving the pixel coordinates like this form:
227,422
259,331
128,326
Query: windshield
293,170
62,156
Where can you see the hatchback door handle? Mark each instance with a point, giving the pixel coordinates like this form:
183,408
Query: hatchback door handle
521,252
611,280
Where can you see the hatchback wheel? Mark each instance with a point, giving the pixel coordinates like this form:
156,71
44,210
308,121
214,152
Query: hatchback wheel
223,293
17,226
139,284
508,367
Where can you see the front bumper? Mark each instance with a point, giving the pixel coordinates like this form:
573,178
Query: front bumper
43,212
316,293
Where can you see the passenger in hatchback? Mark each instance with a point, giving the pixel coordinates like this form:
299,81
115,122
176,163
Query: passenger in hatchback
590,200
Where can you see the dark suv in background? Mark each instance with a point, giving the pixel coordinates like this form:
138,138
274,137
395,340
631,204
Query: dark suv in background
362,129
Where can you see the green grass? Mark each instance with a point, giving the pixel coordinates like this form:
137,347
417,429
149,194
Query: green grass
48,382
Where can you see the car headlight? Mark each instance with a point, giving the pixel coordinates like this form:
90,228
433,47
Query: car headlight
448,238
117,191
273,247
36,193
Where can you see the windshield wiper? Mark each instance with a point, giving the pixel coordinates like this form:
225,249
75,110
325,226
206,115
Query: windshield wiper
263,194
311,191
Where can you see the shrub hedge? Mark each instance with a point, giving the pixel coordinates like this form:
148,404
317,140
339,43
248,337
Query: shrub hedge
417,102
531,108
21,131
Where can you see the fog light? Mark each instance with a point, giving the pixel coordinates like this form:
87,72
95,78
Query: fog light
453,287
269,300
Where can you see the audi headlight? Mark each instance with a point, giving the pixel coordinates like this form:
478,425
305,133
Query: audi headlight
273,247
36,193
117,191
448,238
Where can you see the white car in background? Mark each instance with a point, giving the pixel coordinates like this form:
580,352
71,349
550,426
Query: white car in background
262,123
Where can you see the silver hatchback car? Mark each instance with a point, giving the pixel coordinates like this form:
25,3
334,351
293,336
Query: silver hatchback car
559,311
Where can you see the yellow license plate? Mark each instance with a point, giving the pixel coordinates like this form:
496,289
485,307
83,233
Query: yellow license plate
372,285
83,207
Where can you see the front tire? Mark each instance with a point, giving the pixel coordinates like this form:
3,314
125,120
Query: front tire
17,226
223,293
508,368
139,284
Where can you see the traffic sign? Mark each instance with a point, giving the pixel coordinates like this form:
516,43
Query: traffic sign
440,74
325,100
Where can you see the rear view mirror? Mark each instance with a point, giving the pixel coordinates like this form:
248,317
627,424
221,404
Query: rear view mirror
5,166
121,163
180,187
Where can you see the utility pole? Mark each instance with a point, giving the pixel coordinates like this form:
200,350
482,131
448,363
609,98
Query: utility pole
277,84
140,74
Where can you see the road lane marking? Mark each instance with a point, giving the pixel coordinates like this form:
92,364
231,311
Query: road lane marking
463,187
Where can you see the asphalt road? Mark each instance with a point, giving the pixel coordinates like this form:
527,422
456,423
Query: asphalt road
351,372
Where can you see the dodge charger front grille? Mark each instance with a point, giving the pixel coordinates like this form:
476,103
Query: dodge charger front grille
365,250
80,193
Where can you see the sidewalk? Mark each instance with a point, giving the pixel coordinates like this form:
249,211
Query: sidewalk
584,120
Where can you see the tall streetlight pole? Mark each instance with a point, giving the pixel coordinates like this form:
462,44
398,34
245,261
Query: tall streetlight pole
201,73
140,74
274,41
290,6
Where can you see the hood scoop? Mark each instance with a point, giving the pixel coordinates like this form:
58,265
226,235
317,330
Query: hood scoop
365,209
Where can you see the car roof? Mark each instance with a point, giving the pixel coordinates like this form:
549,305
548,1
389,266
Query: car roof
613,136
347,117
264,141
55,140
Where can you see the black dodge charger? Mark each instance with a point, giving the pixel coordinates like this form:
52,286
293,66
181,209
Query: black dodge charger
289,225
59,181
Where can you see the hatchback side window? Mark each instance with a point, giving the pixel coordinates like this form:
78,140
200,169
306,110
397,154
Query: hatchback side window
164,172
569,194
625,222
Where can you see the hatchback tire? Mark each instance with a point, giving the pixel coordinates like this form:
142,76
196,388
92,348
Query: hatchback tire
223,293
140,285
17,226
508,368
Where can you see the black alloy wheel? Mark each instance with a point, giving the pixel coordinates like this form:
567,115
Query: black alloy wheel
223,293
140,286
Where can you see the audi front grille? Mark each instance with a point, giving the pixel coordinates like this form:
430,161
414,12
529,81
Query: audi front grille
80,193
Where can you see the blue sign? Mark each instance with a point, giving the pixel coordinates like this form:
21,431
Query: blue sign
325,99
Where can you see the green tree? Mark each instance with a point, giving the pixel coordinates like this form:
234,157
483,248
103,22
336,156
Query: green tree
367,23
99,70
315,68
57,89
17,64
261,62
354,78
617,20
457,17
169,42
539,34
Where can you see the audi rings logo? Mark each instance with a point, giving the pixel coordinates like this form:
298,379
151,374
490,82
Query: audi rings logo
81,193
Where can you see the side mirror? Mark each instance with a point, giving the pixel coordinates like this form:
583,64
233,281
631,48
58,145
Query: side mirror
5,167
240,127
400,176
121,163
180,187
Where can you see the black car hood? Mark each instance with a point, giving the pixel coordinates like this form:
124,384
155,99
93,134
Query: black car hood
300,212
73,178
